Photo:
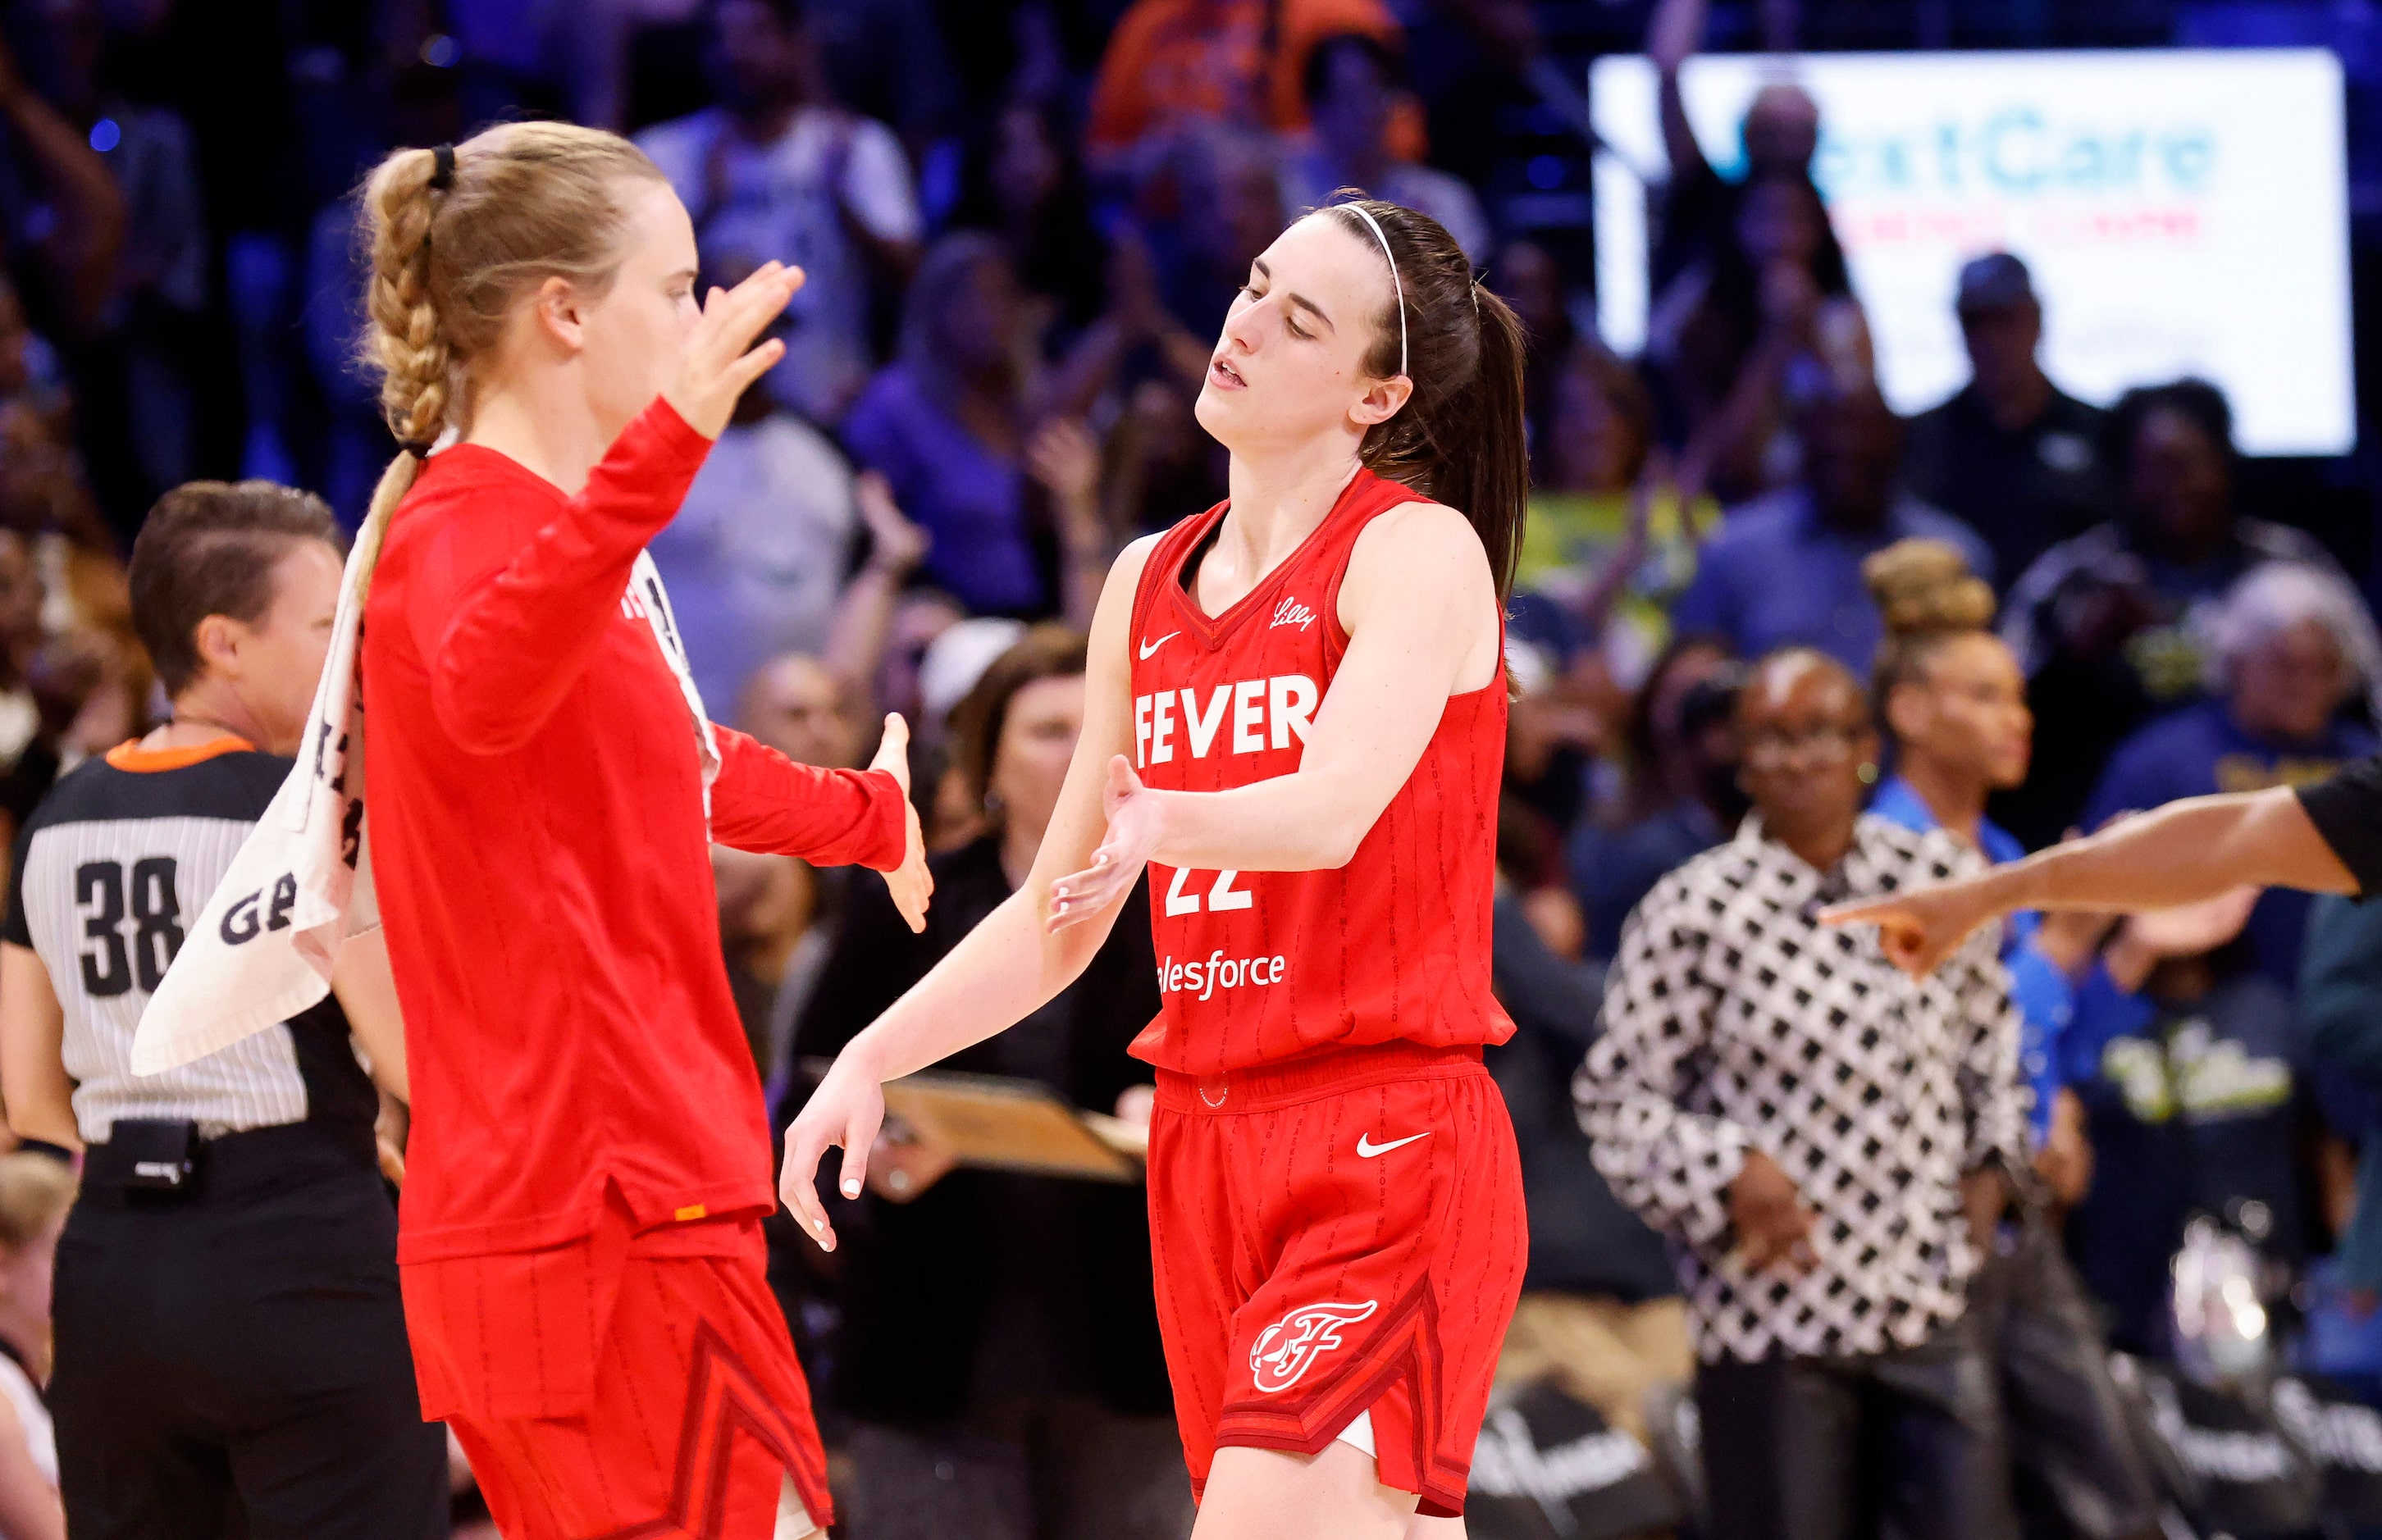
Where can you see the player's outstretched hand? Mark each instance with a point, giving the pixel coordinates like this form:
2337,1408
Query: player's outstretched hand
718,360
911,883
1133,814
846,1111
1918,927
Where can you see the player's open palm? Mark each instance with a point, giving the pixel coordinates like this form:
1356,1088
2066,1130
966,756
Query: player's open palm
718,360
846,1112
911,883
1134,811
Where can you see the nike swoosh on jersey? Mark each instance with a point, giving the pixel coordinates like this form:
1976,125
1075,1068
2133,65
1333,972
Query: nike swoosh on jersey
1149,647
1367,1149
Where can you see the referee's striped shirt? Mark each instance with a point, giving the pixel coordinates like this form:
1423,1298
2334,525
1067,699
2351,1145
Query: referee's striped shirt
121,855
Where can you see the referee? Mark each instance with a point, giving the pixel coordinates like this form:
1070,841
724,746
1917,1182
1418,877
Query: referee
230,1350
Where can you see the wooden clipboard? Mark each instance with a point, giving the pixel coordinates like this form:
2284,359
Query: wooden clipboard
996,1122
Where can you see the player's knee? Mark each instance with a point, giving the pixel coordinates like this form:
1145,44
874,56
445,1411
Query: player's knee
1274,1495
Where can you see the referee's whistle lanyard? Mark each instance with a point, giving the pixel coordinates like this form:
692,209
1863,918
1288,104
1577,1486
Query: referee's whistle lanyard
190,719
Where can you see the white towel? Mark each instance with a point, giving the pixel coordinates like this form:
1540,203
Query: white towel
263,948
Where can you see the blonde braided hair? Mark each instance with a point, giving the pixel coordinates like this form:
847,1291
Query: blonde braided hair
459,235
414,356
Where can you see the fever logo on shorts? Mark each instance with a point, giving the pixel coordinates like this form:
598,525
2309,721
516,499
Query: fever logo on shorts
1286,1348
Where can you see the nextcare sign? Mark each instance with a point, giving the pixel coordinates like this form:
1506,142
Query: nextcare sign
2184,213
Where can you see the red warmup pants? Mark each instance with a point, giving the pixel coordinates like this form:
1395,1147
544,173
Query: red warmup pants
1339,1236
626,1384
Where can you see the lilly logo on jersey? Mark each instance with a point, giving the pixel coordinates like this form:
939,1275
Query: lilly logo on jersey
1290,612
1285,1349
1265,713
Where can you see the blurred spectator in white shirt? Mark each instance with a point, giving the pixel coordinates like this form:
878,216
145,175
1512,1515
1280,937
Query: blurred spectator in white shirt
756,559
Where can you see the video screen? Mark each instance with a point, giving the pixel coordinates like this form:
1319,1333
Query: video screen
2184,213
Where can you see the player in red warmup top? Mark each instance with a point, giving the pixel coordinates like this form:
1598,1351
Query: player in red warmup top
579,1239
1296,721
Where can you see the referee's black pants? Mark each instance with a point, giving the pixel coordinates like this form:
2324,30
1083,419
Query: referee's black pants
1905,1442
234,1363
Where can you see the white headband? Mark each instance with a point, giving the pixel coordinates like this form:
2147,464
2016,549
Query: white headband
1375,226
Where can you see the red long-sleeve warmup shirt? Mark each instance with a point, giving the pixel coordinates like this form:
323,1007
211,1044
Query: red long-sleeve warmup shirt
543,866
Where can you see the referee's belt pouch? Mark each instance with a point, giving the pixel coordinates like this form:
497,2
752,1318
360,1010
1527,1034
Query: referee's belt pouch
145,1155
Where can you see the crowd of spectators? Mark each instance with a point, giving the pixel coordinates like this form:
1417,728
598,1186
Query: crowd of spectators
1021,225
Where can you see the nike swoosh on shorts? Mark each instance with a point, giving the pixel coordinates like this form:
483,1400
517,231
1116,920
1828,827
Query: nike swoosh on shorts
1367,1149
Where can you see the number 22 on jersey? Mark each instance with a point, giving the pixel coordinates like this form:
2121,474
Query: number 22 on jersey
1224,896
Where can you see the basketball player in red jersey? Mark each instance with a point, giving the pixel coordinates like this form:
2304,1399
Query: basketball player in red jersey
1296,722
579,1244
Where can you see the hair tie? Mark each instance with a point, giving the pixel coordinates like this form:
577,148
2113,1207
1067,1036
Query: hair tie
418,447
1375,226
442,175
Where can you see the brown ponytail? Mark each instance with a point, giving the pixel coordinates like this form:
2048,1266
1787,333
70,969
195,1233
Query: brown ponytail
459,234
1459,439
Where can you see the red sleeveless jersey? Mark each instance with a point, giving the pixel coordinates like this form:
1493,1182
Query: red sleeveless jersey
1261,966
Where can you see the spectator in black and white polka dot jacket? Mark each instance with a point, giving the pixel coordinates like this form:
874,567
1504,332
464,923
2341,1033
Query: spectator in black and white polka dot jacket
1824,1138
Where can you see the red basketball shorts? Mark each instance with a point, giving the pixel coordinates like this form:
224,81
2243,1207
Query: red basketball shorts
1342,1236
621,1386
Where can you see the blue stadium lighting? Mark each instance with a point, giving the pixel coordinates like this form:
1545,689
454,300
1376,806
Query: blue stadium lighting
440,52
1545,172
106,135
